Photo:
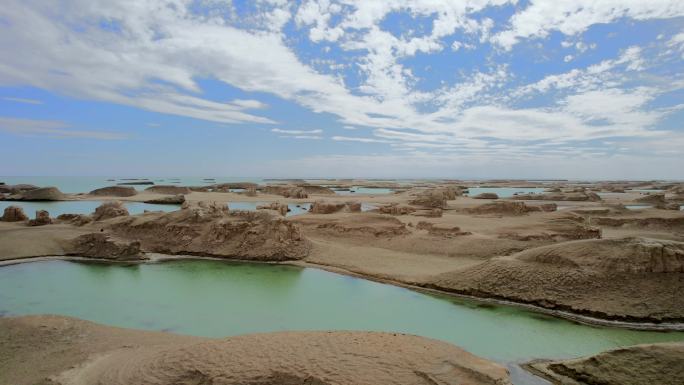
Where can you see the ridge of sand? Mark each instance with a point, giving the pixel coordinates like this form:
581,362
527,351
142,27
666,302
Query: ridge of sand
67,351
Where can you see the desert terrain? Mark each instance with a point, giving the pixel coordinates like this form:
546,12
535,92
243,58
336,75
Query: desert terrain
607,253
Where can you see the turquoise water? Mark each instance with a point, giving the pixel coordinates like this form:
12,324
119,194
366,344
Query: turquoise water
81,207
216,298
505,192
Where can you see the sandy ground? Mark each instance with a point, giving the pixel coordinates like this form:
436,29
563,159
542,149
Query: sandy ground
458,252
41,350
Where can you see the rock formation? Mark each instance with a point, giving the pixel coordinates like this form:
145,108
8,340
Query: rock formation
16,189
661,364
487,195
435,198
172,199
441,230
42,218
287,191
14,214
577,196
39,194
322,207
503,208
109,210
624,279
168,189
276,206
103,246
652,198
211,229
396,209
115,191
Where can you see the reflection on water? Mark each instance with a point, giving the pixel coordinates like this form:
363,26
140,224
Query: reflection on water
214,298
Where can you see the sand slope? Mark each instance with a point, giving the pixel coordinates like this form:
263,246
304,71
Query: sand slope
74,352
625,279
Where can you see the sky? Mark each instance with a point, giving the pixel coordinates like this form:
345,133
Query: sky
324,88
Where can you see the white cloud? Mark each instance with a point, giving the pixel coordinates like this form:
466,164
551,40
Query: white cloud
22,100
53,129
357,139
542,17
297,132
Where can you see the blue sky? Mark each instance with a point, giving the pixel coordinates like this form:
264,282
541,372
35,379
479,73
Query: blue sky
421,88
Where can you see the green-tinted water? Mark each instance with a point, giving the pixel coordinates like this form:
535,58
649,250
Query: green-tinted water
214,298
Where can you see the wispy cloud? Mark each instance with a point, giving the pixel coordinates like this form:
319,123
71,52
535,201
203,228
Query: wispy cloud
297,132
22,100
53,129
358,139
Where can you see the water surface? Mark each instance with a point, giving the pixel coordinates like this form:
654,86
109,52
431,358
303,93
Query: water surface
216,298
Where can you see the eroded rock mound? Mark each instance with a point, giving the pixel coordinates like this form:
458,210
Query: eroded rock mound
652,198
281,208
629,279
42,218
501,208
661,364
115,191
110,210
16,188
441,230
169,189
396,209
14,214
39,194
576,196
434,198
487,195
286,191
321,207
363,224
169,200
75,219
211,229
103,246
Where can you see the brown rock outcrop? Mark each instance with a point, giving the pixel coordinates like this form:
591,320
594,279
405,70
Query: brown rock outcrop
14,214
16,189
441,230
169,200
661,364
115,191
75,219
652,198
281,208
632,279
576,196
487,195
103,246
396,209
169,189
42,218
434,198
109,210
211,229
322,207
502,208
39,194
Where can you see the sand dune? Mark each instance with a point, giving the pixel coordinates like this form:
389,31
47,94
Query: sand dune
68,351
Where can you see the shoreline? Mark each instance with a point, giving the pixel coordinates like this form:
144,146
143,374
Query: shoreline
566,315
